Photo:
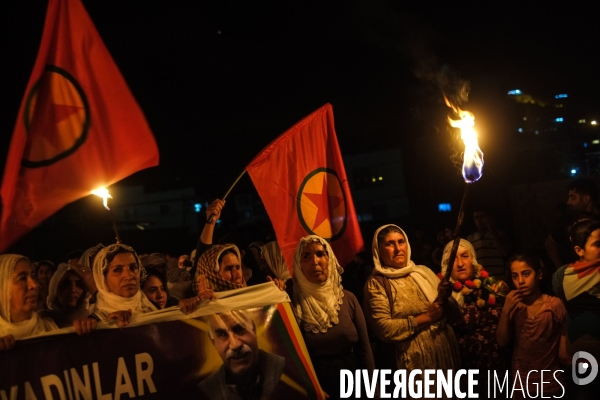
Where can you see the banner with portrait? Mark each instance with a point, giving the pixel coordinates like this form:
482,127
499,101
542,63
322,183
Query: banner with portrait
223,349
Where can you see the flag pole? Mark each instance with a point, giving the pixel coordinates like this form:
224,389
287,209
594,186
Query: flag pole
212,216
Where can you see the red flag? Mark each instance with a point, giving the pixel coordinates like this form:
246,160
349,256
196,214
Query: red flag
302,182
78,127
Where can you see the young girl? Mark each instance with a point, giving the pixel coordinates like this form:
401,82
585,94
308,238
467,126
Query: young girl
536,323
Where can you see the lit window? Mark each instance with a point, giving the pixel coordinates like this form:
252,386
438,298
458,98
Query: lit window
524,118
582,121
573,171
444,207
596,141
561,96
381,178
514,92
537,132
585,145
374,180
520,129
594,123
559,119
197,207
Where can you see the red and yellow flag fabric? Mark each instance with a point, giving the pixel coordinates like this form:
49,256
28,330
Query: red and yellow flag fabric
302,182
78,126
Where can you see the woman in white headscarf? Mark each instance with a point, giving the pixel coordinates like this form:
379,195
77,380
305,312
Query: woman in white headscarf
402,307
332,321
117,270
68,297
19,291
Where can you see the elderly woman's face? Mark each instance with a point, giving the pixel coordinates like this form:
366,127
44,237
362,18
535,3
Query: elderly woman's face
230,268
463,265
314,262
70,291
394,250
123,275
23,300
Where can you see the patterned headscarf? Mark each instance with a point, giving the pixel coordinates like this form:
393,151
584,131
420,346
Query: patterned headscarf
208,265
19,330
87,258
108,302
316,305
177,275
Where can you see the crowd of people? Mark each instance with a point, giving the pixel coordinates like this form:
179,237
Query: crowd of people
488,310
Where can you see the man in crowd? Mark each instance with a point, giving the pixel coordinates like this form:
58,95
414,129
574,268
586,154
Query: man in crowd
491,245
582,202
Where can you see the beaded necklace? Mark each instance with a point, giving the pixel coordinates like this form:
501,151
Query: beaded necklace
483,290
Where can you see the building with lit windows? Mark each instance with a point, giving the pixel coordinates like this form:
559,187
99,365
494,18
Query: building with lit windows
560,127
377,185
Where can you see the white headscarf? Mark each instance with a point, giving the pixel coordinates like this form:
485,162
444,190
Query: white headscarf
272,254
80,311
108,302
316,305
423,276
87,257
445,258
19,330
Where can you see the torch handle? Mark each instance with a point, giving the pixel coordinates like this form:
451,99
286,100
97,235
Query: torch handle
114,225
459,222
211,218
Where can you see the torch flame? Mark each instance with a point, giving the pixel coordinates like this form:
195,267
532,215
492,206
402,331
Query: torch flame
472,156
103,192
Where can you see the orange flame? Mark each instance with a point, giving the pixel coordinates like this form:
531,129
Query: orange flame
103,192
472,156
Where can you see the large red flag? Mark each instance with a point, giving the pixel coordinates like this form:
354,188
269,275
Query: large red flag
78,127
302,182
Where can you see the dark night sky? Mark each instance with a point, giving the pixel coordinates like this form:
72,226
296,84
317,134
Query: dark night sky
219,80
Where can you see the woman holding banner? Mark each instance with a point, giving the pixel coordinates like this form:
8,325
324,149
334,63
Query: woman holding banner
19,291
219,266
18,302
332,321
68,297
402,307
117,275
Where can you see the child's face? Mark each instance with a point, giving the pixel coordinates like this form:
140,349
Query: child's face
524,277
591,251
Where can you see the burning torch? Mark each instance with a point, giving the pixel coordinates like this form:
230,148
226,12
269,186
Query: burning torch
471,169
105,195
